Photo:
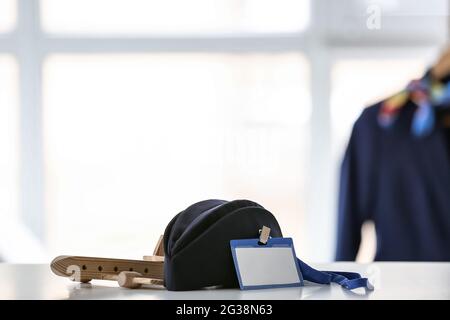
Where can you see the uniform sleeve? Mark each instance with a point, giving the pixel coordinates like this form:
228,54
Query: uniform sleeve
356,184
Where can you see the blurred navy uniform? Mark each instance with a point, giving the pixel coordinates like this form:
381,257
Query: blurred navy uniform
399,180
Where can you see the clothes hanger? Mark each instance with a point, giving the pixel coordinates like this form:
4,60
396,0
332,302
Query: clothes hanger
441,69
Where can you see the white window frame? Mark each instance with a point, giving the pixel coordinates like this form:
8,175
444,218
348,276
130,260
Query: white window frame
30,45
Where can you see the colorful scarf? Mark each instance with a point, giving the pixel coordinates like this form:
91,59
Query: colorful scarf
427,94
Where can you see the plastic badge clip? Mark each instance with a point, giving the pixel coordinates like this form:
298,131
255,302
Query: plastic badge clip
264,235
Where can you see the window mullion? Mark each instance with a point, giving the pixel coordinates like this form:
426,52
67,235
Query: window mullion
321,198
31,146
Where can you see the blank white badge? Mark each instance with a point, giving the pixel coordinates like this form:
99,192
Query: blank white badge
266,266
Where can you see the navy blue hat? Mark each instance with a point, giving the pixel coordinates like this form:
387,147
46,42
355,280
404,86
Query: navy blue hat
197,242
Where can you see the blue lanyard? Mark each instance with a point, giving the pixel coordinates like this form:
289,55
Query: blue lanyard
348,280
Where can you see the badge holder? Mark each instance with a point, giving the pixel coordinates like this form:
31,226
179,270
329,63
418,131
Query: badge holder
266,262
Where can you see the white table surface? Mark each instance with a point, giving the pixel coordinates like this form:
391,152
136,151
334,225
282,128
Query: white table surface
392,280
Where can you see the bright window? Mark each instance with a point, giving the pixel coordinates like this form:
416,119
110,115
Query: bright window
179,128
113,17
116,114
8,15
9,138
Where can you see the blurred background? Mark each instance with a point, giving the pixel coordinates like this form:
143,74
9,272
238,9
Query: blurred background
117,114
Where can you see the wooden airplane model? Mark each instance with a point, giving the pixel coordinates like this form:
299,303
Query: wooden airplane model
128,273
